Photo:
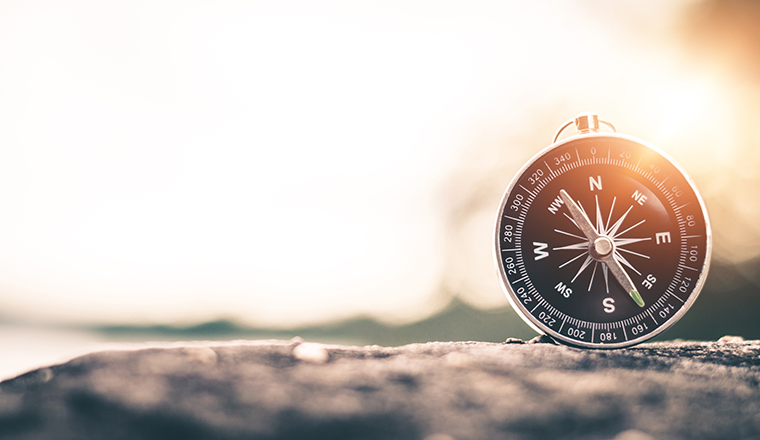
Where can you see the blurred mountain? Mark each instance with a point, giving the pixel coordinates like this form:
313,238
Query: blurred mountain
728,305
457,322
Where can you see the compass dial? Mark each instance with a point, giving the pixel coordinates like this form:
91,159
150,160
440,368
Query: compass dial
602,241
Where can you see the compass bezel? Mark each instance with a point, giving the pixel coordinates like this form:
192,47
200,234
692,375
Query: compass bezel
523,311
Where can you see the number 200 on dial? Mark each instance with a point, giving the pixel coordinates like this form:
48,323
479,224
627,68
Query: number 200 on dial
602,241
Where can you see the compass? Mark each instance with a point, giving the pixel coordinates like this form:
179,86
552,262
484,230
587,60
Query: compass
602,240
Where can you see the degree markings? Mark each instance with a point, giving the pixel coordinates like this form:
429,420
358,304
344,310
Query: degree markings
540,185
687,267
521,279
551,173
526,190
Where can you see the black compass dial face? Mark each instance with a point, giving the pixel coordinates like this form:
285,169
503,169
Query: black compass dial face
620,269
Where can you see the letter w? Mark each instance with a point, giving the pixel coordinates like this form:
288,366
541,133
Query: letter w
540,250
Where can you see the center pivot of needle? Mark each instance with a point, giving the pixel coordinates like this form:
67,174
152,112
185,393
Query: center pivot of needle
602,247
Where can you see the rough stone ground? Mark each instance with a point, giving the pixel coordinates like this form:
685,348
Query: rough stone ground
433,391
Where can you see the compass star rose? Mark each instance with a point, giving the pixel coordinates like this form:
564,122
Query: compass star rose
612,231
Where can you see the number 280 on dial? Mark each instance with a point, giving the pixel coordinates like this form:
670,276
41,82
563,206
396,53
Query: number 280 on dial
602,240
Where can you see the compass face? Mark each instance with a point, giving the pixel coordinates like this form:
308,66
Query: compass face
615,260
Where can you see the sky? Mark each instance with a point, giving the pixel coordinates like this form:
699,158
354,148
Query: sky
290,162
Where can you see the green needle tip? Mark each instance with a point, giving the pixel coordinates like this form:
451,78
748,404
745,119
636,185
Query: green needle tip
636,297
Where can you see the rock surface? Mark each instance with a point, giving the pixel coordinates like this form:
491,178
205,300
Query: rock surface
433,391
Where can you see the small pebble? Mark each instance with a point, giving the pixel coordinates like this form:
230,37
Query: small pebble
45,375
439,437
203,355
311,352
543,339
730,340
514,341
633,434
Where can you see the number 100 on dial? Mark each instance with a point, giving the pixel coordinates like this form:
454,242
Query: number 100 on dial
602,240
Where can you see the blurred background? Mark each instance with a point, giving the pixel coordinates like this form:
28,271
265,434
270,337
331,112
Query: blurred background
192,170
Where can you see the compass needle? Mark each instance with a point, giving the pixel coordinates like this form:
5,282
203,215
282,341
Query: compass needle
580,207
625,281
581,220
637,298
583,210
573,247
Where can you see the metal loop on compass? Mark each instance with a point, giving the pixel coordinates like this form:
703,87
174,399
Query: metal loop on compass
584,123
